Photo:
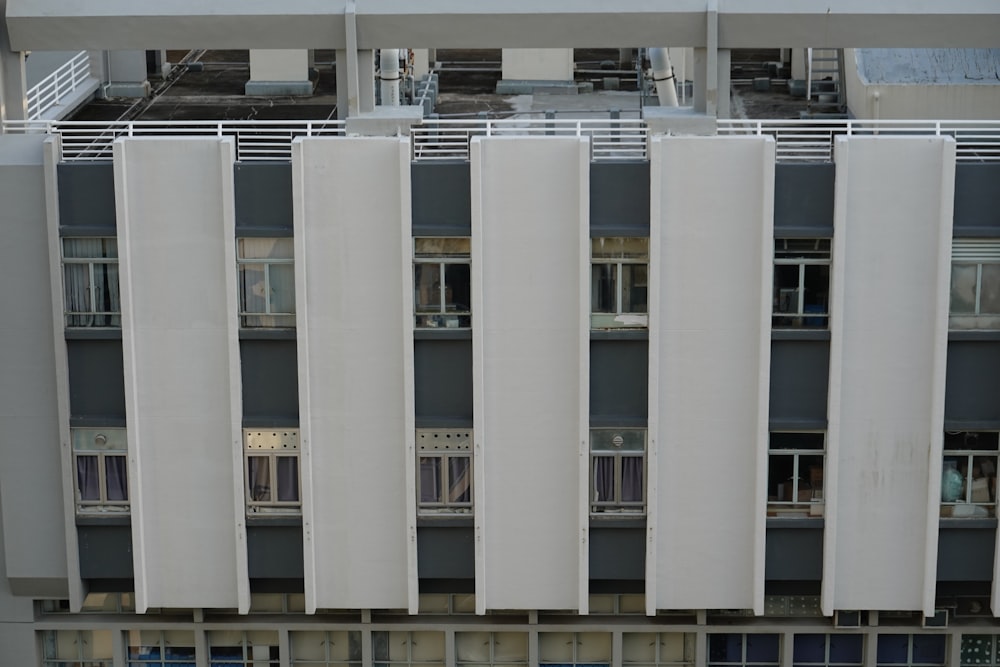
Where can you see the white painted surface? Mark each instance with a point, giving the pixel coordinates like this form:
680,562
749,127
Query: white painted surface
351,206
182,380
538,64
887,350
279,65
30,472
711,240
530,222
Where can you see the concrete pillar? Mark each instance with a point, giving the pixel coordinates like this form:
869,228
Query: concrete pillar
124,74
798,57
279,72
13,104
421,63
524,70
711,93
365,95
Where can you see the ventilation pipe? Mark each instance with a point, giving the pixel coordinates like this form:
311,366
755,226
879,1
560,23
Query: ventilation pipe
663,76
389,76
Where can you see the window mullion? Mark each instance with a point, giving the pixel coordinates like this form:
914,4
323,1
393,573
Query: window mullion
620,287
267,288
442,289
102,481
801,292
92,289
979,285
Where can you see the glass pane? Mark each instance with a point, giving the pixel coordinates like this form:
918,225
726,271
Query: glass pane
97,644
76,288
427,288
620,247
95,248
847,649
430,479
427,646
556,647
593,647
809,649
442,247
472,646
265,248
259,478
786,288
614,440
634,282
977,650
457,292
88,480
104,439
762,648
784,440
106,297
510,647
282,279
253,291
989,289
632,479
459,479
963,288
116,476
928,649
639,647
288,479
602,288
816,297
725,648
892,649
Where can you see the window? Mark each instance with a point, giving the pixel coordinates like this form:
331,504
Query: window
657,649
969,474
619,279
447,603
266,282
272,459
441,283
90,282
277,603
617,468
795,474
486,649
325,649
975,284
77,648
575,648
408,649
980,651
911,650
152,648
617,604
99,458
833,650
444,461
243,649
801,284
742,650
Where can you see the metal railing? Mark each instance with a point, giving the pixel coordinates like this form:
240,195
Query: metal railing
449,139
610,139
813,140
51,90
259,140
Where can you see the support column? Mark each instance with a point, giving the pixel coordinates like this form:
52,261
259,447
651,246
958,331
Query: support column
124,74
364,97
711,82
527,70
279,72
13,102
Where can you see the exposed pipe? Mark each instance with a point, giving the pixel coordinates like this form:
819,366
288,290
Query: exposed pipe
663,76
389,76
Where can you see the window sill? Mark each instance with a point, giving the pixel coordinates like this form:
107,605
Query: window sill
604,520
95,333
259,519
263,333
805,523
446,521
619,334
109,519
974,334
950,523
800,334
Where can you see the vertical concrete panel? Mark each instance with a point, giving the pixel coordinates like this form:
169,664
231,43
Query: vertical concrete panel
182,375
351,209
887,352
17,614
30,473
710,251
530,245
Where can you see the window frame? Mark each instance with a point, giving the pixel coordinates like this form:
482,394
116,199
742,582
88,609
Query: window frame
977,252
577,640
815,506
493,635
970,454
442,317
617,507
744,660
51,642
271,444
110,442
827,662
113,317
992,660
689,640
246,645
164,660
909,650
250,319
619,318
352,637
445,444
410,660
821,255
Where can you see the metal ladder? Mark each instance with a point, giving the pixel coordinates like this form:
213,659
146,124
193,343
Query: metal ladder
825,82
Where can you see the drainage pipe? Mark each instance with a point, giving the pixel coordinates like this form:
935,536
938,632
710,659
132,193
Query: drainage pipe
389,76
663,76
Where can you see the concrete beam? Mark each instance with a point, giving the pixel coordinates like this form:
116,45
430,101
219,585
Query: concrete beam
125,24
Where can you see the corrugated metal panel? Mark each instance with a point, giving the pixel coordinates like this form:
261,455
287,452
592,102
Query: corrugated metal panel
976,250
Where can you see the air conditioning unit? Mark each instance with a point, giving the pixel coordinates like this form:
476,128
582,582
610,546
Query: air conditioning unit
938,620
847,619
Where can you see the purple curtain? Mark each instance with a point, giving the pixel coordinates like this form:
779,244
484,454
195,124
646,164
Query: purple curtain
117,477
631,479
88,478
604,478
288,479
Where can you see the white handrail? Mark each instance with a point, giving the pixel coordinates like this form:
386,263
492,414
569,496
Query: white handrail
610,139
50,91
